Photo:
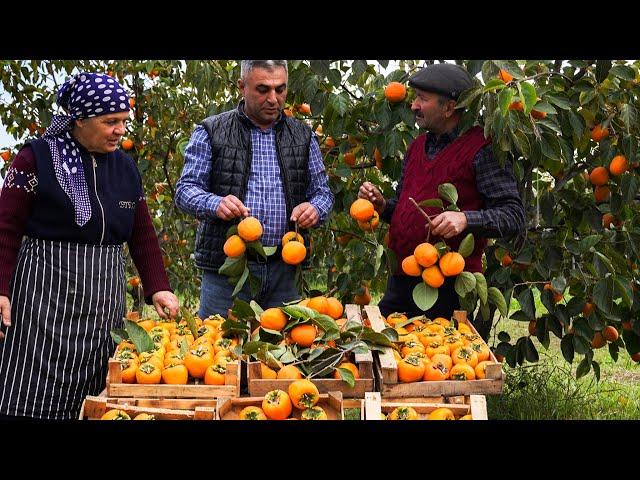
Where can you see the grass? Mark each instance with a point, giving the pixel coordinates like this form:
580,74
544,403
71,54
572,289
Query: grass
549,390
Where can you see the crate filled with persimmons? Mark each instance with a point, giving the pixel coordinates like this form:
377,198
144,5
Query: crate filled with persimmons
301,400
190,358
434,357
102,407
315,338
471,407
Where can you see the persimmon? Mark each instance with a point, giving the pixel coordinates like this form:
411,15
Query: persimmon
426,254
250,229
395,92
234,246
175,374
433,277
290,236
403,413
304,334
148,373
361,210
334,308
294,252
215,374
410,369
276,405
462,371
115,414
289,372
273,319
252,413
303,394
451,264
618,165
349,366
442,413
314,413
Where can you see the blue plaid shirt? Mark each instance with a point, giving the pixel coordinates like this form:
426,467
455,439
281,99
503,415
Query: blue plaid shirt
265,196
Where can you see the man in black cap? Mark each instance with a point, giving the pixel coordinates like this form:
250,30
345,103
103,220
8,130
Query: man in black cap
488,198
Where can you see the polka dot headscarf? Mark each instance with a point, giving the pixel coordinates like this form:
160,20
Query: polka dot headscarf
85,95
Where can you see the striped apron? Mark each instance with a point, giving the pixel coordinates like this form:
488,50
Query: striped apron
65,299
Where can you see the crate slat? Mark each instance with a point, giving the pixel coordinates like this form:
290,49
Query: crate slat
116,388
229,408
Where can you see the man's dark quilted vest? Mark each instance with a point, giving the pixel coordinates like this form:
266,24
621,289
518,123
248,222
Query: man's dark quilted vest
119,188
230,137
453,164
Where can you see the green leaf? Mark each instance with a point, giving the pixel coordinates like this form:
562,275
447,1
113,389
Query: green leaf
603,293
298,312
493,85
424,296
624,288
496,297
465,283
481,286
257,309
187,316
504,337
529,95
467,97
242,310
268,251
448,192
378,262
505,97
119,335
346,375
233,230
629,116
377,338
583,368
605,261
184,347
251,348
531,353
590,241
138,336
566,345
624,72
559,283
466,246
233,267
432,202
326,323
525,299
241,282
559,100
256,246
340,103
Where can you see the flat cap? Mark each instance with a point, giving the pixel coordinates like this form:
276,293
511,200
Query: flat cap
444,78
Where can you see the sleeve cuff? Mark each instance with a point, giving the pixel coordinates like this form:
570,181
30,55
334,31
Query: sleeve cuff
212,205
475,220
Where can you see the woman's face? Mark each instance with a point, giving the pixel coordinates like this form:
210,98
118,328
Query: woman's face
101,134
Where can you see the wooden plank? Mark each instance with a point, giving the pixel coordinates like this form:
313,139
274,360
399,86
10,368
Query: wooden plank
115,387
353,314
172,403
389,367
230,408
95,407
375,406
258,386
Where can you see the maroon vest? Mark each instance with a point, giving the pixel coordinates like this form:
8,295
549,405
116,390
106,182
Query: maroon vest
453,164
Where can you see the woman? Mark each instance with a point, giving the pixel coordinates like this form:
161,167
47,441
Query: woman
76,198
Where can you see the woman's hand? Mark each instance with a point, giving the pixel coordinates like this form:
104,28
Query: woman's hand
5,312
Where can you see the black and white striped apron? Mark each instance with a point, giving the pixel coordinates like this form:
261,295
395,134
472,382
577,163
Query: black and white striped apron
65,299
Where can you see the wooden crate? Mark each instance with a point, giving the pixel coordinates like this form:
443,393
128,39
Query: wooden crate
364,361
229,408
116,388
476,405
386,370
162,409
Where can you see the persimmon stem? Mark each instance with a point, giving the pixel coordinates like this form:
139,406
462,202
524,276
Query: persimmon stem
422,212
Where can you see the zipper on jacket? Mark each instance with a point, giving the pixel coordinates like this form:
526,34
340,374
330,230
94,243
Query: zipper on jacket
95,186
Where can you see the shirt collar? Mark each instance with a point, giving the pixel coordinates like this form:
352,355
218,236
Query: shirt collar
444,139
254,125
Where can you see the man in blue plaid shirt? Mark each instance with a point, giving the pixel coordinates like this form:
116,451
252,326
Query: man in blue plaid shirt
254,161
